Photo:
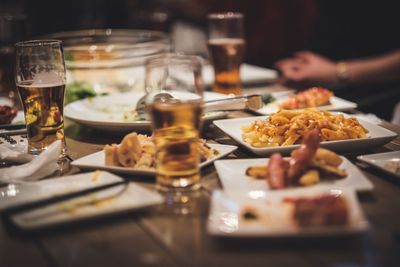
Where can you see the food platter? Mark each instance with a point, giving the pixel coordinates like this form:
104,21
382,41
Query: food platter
336,104
274,217
107,112
232,174
97,161
377,136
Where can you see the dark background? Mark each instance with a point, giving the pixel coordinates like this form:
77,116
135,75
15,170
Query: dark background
275,29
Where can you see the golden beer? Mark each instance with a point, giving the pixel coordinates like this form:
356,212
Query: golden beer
43,109
227,55
175,133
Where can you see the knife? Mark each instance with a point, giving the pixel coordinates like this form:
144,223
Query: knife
12,132
12,126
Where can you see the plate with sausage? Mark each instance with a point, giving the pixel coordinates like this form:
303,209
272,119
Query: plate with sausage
308,166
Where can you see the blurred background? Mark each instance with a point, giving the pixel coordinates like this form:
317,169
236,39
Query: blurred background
275,29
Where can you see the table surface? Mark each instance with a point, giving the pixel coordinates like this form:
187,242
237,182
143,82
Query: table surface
175,235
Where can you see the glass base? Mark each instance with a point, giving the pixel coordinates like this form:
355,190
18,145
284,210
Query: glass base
163,188
178,184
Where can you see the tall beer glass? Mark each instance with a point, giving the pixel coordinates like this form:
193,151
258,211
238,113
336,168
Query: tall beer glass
174,103
226,46
40,79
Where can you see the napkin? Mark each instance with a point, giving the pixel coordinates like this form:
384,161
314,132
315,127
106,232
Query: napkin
39,167
14,153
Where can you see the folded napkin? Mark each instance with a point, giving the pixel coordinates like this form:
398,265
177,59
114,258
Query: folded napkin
14,153
39,167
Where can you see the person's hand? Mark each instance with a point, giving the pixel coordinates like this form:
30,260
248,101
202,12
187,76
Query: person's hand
308,68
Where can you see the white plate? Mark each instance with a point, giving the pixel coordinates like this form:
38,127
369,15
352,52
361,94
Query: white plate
225,214
107,112
15,195
249,74
118,199
380,161
96,161
232,173
337,104
377,136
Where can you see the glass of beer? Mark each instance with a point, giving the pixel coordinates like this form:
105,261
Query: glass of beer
174,102
226,46
40,79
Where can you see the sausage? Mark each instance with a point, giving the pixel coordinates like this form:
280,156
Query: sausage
276,176
301,157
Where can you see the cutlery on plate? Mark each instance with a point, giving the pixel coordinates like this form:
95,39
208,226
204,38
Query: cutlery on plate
12,126
4,132
249,102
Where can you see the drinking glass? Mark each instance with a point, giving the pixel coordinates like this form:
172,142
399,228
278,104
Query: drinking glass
174,102
226,46
40,80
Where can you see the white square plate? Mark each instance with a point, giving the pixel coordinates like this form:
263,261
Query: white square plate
381,160
377,136
14,195
97,161
118,199
232,173
275,219
336,104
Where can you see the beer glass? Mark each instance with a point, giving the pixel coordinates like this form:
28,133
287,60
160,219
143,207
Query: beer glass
174,98
40,80
226,46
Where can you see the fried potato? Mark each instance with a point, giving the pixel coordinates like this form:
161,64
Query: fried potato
328,157
291,140
257,172
329,169
310,177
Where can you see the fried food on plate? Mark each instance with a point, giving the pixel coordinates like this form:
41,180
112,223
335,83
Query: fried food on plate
287,127
138,151
312,97
307,165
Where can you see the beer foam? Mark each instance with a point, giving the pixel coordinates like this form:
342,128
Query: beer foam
224,41
47,79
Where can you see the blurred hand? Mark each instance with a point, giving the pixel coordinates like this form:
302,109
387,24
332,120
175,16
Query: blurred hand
307,68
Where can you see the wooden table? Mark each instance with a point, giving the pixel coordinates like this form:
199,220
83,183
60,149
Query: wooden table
175,235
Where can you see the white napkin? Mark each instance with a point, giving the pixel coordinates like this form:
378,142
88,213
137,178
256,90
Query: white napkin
41,166
14,153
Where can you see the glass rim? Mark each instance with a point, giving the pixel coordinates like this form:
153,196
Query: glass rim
44,42
167,57
226,15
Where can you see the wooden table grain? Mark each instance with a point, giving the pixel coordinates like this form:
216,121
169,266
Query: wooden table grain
175,235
